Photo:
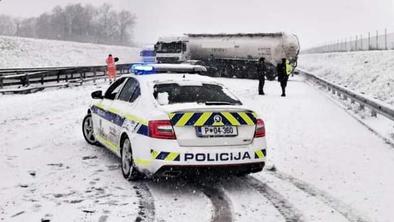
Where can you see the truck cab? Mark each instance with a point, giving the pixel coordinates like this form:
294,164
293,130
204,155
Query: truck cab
172,50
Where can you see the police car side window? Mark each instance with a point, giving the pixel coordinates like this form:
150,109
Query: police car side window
114,89
128,89
136,93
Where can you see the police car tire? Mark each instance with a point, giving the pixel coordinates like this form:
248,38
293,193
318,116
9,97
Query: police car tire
132,174
90,141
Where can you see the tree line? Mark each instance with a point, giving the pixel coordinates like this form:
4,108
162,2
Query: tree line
75,22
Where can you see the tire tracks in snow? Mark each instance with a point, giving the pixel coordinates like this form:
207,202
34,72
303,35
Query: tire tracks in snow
222,207
330,201
146,206
288,211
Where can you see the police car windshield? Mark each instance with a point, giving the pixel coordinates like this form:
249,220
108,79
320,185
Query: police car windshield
208,94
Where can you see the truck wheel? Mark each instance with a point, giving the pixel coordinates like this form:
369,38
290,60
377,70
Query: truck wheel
129,170
87,130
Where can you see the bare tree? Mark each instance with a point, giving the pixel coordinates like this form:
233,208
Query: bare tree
7,25
75,22
27,28
127,21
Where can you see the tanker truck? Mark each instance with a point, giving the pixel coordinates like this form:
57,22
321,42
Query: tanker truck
230,55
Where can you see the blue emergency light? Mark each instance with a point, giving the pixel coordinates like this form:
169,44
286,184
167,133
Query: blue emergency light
142,69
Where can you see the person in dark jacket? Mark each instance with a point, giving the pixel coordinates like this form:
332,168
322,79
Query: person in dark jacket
261,71
283,77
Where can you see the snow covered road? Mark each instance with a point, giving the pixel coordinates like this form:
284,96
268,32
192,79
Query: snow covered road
329,166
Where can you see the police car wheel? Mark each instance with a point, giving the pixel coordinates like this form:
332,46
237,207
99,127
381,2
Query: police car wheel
87,129
128,167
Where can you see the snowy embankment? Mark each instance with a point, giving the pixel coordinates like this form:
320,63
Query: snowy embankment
31,53
370,73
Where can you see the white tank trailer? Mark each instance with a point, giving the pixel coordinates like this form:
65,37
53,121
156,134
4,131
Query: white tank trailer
230,55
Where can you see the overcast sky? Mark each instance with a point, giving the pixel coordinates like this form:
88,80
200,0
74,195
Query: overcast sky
314,21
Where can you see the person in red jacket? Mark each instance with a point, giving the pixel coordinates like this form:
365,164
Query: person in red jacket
111,68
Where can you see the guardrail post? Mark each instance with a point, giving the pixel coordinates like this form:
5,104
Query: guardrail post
1,82
361,107
28,80
58,76
94,75
81,77
25,80
374,113
42,79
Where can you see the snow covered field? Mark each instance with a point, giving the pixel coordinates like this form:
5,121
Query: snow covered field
27,53
329,166
368,72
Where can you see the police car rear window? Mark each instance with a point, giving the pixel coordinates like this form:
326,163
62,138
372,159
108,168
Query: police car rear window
208,94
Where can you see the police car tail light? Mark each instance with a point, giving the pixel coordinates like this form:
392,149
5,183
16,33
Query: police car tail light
161,129
260,128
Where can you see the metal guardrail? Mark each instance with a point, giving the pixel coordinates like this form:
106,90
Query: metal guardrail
374,105
27,76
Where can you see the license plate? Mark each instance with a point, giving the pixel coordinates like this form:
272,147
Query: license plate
217,131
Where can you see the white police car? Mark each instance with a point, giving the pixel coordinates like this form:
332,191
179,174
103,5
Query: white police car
168,124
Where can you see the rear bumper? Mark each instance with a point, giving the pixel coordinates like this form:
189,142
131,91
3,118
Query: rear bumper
196,170
169,156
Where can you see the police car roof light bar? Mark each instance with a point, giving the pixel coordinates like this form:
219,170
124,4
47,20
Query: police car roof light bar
142,69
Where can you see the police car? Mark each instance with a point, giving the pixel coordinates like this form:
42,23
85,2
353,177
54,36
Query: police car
168,124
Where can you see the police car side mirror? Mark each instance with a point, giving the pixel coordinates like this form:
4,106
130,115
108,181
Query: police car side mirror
97,94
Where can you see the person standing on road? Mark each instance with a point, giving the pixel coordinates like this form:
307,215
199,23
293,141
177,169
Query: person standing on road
111,68
261,71
283,75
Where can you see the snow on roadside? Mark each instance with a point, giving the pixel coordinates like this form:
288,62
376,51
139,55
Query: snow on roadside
316,141
47,169
367,72
30,53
